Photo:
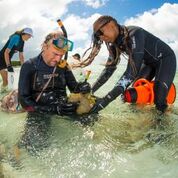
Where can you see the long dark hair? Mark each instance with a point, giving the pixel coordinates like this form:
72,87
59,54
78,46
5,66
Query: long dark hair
96,44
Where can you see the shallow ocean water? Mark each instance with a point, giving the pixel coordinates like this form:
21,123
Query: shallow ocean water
126,141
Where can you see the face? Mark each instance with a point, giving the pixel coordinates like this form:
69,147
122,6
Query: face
52,55
109,32
76,58
26,37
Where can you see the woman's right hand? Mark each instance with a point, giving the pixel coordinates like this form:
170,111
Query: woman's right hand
10,68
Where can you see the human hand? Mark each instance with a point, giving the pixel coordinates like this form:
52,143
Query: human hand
10,68
100,104
67,108
45,109
84,87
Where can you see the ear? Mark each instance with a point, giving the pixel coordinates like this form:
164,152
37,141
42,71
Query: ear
114,27
112,23
45,46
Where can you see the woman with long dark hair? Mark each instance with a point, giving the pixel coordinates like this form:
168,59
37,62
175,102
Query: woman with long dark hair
148,57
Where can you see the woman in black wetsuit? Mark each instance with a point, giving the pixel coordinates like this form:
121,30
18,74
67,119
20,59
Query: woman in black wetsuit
148,57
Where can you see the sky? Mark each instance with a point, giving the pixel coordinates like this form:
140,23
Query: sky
157,16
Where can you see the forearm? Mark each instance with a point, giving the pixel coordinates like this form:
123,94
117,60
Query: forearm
21,57
27,102
105,75
114,93
7,57
31,106
25,84
71,81
101,103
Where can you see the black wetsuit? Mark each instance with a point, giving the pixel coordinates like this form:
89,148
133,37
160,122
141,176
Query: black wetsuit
152,59
17,44
33,77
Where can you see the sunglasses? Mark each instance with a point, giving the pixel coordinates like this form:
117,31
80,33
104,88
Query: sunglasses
99,33
63,43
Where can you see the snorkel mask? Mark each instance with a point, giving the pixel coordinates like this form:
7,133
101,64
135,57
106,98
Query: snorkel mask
63,43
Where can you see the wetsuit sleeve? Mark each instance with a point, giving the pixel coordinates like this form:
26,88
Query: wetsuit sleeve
133,67
14,40
129,75
107,71
25,86
105,75
25,91
70,80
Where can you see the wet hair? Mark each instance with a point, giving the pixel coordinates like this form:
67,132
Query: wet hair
125,39
96,42
51,36
103,20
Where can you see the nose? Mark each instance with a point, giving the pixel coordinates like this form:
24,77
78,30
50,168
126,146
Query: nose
58,57
103,38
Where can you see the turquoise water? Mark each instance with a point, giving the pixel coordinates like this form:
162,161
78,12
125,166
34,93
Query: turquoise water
126,142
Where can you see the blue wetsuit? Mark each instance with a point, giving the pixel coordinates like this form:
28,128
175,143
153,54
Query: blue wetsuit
15,44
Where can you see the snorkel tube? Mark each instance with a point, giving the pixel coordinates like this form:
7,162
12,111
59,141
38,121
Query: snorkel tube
65,34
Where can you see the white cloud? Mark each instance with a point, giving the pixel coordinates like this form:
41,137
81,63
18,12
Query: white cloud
162,22
95,3
40,15
78,28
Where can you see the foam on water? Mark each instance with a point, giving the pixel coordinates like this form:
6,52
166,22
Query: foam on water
126,141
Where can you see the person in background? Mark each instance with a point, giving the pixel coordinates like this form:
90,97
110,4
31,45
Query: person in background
76,57
78,71
14,44
148,57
